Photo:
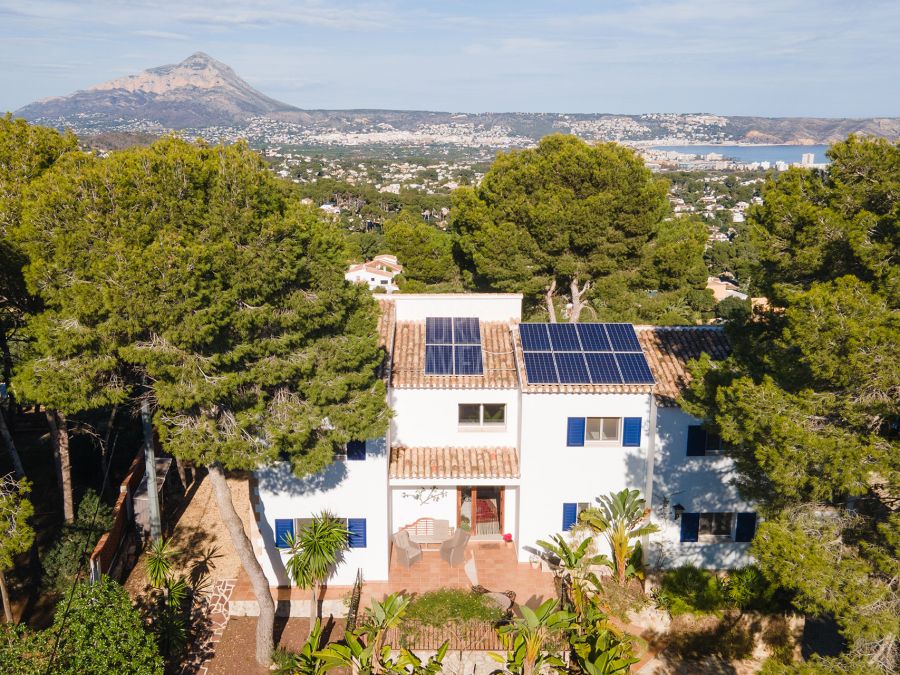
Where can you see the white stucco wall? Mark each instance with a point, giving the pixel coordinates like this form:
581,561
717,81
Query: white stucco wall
484,306
430,418
699,484
553,473
348,489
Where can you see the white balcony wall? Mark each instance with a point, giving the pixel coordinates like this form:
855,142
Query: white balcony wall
484,306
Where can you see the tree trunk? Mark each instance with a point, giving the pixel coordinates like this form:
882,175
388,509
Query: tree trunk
182,474
313,608
11,447
104,448
265,624
548,298
7,608
577,295
59,435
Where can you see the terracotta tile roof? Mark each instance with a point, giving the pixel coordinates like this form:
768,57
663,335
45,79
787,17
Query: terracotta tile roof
408,367
454,462
572,388
668,349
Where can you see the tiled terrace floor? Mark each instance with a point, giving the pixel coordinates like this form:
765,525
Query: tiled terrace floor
493,565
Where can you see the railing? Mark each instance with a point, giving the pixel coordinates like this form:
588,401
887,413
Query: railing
107,550
355,596
470,636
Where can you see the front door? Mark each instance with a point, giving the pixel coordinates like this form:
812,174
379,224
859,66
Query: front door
480,510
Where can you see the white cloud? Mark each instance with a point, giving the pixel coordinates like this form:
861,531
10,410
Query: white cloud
162,35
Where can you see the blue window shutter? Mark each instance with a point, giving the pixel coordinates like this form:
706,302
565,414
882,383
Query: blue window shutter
690,526
746,527
357,527
631,432
575,432
356,450
570,515
696,441
283,526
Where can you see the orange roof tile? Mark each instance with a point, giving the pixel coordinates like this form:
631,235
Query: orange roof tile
454,462
408,368
668,350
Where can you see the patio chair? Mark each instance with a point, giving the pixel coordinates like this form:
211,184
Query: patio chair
454,549
406,549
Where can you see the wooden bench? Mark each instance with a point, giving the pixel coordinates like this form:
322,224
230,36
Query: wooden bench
429,531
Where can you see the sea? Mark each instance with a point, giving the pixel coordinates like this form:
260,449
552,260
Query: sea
755,153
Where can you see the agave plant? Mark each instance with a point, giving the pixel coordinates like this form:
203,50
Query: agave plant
621,518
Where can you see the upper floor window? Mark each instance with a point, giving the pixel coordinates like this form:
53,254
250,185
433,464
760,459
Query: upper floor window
716,525
491,415
701,442
602,429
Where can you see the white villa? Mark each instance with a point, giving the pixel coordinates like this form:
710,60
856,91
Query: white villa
379,272
504,428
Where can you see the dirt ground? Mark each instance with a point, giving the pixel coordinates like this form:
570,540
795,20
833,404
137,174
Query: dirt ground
200,534
236,652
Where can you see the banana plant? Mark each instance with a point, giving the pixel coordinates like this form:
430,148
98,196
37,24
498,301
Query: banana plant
597,648
620,518
527,640
574,567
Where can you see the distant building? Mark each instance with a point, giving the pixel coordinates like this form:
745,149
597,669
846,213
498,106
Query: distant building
723,289
379,272
808,159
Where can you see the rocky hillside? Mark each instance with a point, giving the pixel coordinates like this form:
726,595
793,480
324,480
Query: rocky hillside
197,92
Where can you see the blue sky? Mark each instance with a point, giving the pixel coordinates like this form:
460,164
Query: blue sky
830,58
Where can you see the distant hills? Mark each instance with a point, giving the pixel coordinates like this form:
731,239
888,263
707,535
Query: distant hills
201,93
198,92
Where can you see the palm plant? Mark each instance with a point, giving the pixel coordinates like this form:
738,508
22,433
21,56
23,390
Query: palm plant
160,555
527,638
573,566
313,555
597,648
620,518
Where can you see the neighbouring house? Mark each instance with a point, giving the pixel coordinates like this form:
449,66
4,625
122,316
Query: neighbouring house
508,428
722,288
379,272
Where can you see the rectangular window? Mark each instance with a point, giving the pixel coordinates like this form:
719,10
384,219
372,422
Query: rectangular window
357,528
716,525
701,442
494,413
602,429
491,415
571,512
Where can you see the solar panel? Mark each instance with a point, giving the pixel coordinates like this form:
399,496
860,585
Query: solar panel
584,353
564,337
539,368
438,330
534,337
603,368
468,360
622,337
571,367
466,331
438,360
634,369
593,337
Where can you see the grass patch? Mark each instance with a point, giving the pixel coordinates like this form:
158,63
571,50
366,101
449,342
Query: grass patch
445,605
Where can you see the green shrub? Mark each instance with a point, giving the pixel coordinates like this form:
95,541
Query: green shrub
67,559
437,608
689,590
748,589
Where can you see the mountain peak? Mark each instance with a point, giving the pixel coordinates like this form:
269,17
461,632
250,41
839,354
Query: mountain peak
198,91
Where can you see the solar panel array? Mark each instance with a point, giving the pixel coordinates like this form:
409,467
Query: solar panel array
583,353
453,346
